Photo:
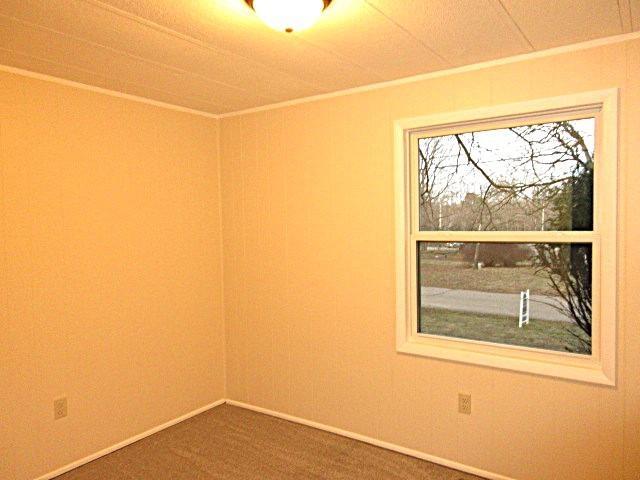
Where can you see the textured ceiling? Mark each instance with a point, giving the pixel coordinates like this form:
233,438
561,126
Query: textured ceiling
216,56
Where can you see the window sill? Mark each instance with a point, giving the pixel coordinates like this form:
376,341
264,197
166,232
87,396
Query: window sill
566,366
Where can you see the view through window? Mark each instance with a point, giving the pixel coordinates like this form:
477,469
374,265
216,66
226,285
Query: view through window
530,178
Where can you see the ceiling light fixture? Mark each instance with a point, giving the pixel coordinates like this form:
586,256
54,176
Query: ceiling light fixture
289,15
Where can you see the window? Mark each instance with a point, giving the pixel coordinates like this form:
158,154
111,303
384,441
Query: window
506,236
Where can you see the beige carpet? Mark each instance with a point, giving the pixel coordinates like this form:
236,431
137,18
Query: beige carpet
233,443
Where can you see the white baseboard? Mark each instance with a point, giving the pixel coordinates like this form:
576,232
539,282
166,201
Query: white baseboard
338,431
373,441
128,441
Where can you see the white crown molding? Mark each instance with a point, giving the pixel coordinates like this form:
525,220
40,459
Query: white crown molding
104,91
350,91
442,73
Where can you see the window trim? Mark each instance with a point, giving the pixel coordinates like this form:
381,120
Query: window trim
600,366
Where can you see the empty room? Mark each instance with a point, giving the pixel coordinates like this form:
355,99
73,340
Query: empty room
319,239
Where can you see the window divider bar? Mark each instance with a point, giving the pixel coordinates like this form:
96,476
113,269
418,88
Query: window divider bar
506,237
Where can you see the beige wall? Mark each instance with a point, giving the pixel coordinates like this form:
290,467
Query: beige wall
110,271
110,277
309,282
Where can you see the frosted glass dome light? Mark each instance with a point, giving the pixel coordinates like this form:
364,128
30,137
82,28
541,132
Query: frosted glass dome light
289,15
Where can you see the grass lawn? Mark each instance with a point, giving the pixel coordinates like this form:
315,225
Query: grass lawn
460,275
500,329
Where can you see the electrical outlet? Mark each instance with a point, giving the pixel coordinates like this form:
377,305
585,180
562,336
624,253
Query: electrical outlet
464,403
59,408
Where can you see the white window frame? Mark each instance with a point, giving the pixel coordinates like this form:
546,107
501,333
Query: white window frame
600,366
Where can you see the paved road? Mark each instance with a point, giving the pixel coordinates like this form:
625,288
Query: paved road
507,304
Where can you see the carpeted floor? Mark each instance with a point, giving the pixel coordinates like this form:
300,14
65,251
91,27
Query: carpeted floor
233,443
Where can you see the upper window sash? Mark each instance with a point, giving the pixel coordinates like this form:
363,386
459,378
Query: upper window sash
414,137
